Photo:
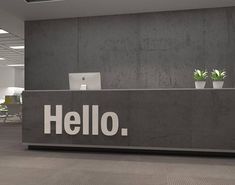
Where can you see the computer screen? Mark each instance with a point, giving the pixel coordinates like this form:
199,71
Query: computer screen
84,81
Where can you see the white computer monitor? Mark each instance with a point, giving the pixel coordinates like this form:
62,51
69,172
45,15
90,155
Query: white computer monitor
84,81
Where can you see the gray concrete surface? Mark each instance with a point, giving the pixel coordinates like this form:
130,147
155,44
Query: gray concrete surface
21,166
177,119
150,50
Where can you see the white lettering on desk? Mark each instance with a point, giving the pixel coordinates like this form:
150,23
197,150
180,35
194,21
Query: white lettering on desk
72,122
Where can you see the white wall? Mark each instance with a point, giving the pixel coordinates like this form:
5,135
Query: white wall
11,81
19,77
7,77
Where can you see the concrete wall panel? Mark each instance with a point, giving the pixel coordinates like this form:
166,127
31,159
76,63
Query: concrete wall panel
152,50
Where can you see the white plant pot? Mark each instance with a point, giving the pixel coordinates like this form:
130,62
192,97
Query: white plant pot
218,84
200,84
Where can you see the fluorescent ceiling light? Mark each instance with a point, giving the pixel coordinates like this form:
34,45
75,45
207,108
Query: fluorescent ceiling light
3,31
2,58
15,65
17,47
16,88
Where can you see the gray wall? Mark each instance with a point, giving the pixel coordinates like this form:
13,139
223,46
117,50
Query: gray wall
149,50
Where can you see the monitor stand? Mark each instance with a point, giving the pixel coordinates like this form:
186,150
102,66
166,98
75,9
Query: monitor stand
83,87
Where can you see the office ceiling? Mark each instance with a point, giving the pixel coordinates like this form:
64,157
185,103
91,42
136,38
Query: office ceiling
80,8
11,56
14,37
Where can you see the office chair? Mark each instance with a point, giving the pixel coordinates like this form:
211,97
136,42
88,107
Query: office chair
13,110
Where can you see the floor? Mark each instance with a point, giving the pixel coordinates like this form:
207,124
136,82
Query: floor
19,166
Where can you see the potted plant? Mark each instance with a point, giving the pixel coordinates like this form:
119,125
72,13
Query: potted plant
218,77
200,78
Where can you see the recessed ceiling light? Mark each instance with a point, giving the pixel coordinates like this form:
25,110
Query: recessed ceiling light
2,58
17,47
16,65
3,31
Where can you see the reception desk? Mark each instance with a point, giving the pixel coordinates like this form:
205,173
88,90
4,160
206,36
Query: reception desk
154,119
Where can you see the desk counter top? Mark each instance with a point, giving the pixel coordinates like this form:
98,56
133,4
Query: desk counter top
159,89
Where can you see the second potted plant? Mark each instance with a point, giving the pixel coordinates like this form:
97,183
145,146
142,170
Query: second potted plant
200,78
218,77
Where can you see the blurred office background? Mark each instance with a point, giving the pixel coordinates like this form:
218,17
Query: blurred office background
11,68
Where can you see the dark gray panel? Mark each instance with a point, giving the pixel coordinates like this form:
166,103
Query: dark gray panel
213,119
219,38
149,50
111,45
34,113
171,48
183,119
162,118
51,53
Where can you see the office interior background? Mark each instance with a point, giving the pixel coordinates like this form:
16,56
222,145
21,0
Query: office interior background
134,45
